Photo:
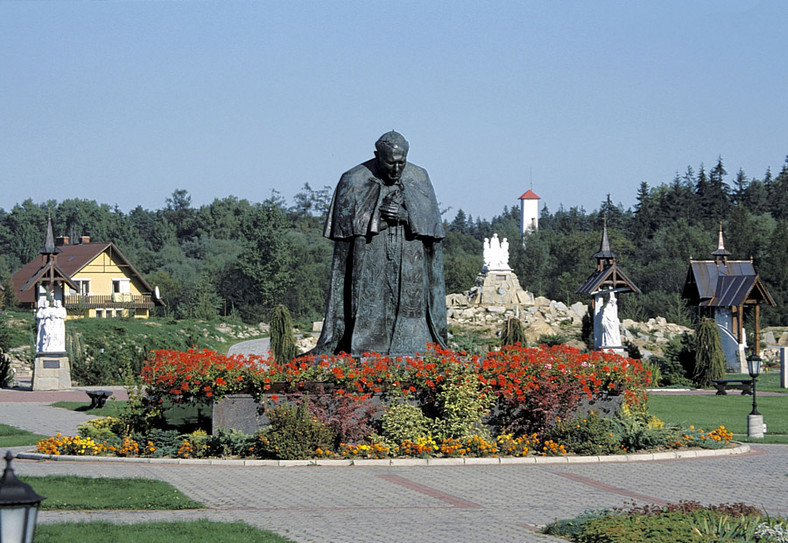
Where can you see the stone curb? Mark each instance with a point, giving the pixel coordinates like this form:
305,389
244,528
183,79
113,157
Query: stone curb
741,448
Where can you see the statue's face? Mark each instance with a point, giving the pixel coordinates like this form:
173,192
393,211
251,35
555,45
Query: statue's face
390,162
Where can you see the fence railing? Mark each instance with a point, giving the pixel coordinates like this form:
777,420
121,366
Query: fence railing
124,300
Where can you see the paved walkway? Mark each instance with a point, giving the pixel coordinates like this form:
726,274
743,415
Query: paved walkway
410,504
440,504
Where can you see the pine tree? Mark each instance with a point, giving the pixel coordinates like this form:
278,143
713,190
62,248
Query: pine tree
709,357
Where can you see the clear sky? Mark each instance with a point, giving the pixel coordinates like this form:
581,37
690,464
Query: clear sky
125,102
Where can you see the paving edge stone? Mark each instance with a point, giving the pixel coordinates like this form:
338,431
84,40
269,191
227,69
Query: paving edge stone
740,448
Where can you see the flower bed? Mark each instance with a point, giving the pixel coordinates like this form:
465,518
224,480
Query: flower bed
513,402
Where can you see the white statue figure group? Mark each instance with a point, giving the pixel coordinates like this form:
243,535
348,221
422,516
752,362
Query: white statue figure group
496,254
51,327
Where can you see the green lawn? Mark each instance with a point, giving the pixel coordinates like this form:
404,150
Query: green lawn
709,412
110,409
183,417
155,532
767,382
78,493
15,437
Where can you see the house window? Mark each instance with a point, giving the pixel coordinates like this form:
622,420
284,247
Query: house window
99,313
121,285
83,285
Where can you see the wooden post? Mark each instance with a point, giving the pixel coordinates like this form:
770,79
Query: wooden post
757,329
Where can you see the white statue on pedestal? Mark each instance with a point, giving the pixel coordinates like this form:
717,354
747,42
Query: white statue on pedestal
496,254
51,327
610,325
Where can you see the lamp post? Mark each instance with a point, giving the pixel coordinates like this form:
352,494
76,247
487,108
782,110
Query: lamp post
18,507
754,419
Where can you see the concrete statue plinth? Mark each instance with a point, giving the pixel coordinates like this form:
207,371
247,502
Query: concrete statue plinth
51,371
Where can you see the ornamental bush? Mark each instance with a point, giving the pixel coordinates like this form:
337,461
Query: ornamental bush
294,433
403,422
589,435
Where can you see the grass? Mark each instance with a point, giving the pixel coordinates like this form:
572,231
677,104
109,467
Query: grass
767,382
709,412
110,409
155,532
69,492
182,417
16,437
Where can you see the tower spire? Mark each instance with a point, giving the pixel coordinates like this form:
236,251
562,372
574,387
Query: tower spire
49,243
721,254
604,256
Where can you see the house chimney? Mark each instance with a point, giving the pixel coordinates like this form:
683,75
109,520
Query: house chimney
61,240
84,239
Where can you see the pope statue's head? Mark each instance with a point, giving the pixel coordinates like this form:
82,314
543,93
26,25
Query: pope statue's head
391,152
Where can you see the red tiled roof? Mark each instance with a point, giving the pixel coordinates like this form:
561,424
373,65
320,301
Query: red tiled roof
529,195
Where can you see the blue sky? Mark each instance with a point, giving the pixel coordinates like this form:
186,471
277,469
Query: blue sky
125,102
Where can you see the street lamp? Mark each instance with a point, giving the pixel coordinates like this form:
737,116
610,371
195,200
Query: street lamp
755,419
18,507
754,368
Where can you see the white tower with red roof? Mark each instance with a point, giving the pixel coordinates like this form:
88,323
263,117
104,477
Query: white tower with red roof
529,212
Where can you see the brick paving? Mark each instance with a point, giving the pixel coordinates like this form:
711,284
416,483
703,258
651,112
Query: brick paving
440,504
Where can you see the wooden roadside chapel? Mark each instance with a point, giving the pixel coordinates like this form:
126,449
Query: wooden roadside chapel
723,289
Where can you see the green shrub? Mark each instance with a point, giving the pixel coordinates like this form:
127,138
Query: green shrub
656,372
552,339
461,407
403,421
683,522
588,435
709,358
294,433
283,344
6,371
671,371
512,332
635,433
107,430
571,528
230,442
165,441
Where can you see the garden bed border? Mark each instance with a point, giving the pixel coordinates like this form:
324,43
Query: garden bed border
740,448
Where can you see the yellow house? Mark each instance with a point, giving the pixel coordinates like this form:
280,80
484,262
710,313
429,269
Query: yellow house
107,285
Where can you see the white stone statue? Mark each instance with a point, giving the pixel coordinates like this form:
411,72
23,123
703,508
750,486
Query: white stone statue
496,254
611,326
51,327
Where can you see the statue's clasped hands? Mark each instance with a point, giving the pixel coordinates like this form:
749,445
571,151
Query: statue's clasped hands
393,213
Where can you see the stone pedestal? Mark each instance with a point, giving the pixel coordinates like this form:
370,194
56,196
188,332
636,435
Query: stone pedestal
499,287
51,372
755,426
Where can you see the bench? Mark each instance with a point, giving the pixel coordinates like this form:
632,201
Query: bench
745,385
98,398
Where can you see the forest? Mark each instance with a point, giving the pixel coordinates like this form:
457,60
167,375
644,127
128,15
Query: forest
238,259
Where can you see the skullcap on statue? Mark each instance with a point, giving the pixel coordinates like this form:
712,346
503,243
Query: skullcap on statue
392,140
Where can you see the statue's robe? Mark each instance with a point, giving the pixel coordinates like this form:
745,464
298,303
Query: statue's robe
386,292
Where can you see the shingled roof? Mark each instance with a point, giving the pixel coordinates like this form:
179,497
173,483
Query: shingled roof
710,283
607,275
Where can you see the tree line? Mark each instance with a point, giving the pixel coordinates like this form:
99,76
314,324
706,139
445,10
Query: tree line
235,258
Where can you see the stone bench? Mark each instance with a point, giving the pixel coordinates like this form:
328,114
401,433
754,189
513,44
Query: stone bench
98,398
722,385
